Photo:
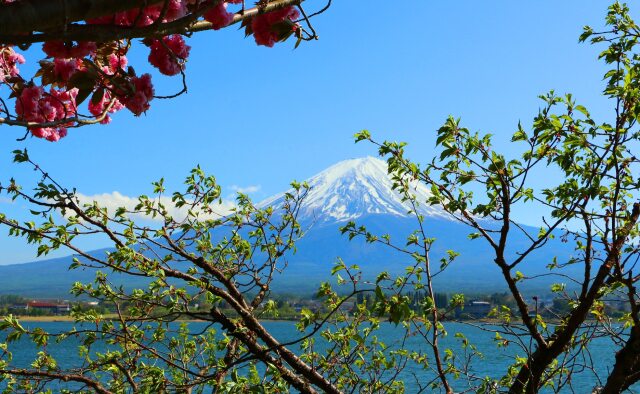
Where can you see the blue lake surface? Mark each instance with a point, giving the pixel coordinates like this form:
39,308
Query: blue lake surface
493,364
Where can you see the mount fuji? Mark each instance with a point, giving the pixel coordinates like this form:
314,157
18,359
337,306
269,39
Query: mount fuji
355,188
352,190
360,190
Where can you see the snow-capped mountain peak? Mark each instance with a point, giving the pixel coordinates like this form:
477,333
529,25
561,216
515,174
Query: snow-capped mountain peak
354,188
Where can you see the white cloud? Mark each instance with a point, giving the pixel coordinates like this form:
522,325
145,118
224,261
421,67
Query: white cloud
245,190
113,201
5,200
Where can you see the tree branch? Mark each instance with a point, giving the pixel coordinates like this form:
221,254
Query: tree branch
26,16
105,33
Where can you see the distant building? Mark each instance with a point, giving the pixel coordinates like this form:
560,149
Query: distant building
48,307
312,305
474,309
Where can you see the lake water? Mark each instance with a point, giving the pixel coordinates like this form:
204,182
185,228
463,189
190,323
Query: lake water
493,364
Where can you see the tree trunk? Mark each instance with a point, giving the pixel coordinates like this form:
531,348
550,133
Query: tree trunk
626,367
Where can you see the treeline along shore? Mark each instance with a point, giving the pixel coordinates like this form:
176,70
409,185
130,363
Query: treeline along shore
487,307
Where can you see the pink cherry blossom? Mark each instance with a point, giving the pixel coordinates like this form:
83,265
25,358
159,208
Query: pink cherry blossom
9,60
33,105
98,108
176,9
129,18
65,68
115,64
218,16
138,100
169,54
114,83
262,25
69,50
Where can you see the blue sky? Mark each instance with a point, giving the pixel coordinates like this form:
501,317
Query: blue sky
258,118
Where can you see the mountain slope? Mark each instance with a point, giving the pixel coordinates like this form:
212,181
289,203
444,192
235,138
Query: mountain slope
359,190
354,188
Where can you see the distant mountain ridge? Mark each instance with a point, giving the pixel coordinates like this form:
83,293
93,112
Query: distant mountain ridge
358,190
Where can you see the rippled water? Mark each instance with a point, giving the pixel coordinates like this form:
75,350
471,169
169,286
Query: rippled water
493,364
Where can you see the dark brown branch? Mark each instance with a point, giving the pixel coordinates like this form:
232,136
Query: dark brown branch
106,33
58,376
25,16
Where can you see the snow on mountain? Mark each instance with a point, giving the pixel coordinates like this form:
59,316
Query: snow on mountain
353,188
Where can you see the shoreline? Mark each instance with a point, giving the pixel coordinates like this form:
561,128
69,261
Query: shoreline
69,319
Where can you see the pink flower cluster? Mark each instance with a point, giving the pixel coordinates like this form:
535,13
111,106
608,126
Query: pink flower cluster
169,54
145,17
138,100
115,63
34,105
65,68
108,102
68,50
102,71
218,15
98,107
9,60
263,25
